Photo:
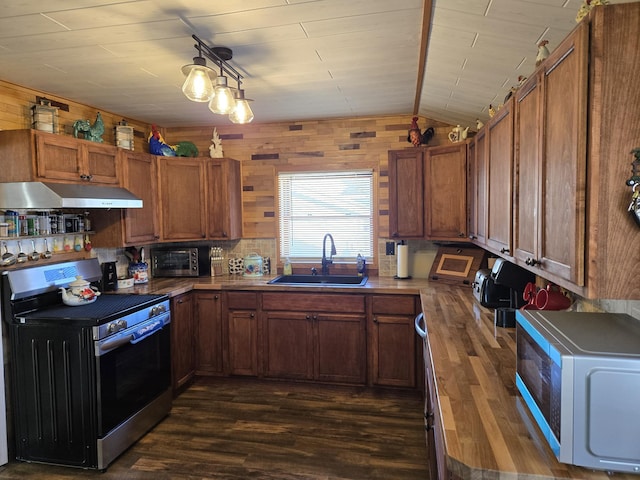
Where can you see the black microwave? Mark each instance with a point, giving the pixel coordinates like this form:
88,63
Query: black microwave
180,262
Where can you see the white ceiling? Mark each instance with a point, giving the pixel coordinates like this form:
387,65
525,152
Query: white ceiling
301,59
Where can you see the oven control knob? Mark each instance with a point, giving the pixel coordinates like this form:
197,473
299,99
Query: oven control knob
112,327
122,324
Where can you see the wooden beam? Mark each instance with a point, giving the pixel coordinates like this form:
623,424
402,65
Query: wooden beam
427,13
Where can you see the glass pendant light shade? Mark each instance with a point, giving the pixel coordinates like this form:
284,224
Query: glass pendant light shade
198,86
222,101
242,112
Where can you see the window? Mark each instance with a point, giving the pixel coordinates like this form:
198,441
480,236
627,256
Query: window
312,204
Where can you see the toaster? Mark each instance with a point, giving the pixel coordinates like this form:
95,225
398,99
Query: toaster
488,293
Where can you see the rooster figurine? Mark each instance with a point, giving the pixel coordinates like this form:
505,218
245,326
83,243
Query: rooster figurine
157,145
543,52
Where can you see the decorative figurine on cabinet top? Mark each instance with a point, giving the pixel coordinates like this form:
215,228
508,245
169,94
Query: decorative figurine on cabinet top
415,137
90,132
543,52
586,7
215,150
157,146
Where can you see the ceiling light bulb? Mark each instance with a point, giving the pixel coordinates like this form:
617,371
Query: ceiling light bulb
198,87
242,112
222,101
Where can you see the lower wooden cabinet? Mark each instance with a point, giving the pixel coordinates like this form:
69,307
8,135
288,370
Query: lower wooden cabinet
209,333
242,333
392,340
353,339
183,335
319,337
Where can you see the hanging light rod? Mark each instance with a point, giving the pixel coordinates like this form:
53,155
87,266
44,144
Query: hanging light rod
220,56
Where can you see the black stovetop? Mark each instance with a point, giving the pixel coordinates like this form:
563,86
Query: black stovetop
104,309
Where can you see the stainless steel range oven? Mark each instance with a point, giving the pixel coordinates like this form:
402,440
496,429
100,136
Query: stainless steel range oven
89,380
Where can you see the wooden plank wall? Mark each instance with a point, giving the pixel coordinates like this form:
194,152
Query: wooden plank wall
262,148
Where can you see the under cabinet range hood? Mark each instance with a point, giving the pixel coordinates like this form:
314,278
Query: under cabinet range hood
34,195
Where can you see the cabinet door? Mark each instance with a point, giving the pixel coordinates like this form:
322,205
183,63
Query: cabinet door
242,330
209,333
527,133
445,195
478,189
182,198
340,348
101,163
58,157
406,191
224,199
182,340
563,169
500,174
288,345
393,340
140,178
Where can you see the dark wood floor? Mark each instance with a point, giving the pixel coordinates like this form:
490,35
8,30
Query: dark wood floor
248,429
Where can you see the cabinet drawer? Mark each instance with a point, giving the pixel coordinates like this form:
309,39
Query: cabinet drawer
393,304
320,302
242,300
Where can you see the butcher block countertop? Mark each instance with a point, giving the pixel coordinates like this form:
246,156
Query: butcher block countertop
488,431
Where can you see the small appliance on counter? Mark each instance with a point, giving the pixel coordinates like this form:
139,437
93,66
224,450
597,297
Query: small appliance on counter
109,277
181,261
514,278
579,374
487,293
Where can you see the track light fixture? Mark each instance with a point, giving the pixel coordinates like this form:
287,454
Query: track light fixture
203,84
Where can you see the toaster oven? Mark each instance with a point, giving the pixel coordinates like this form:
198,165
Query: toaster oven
180,262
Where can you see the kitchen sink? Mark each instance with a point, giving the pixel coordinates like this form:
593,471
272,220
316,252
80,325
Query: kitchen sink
341,280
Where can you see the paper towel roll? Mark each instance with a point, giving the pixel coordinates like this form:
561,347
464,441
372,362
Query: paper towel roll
402,257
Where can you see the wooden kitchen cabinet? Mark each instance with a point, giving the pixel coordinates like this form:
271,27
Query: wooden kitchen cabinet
224,199
406,189
314,337
477,188
550,162
574,132
183,335
199,198
119,227
182,198
428,193
241,310
40,156
445,192
392,340
209,333
499,151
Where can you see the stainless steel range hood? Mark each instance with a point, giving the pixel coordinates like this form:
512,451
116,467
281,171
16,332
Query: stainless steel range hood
34,195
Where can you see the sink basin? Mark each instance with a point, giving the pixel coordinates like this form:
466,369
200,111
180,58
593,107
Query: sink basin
341,280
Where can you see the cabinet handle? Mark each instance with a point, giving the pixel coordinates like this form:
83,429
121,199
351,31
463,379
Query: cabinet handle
308,317
216,297
251,315
461,235
375,319
532,262
504,250
86,177
394,234
472,237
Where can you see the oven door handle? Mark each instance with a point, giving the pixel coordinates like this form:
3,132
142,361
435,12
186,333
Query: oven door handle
134,336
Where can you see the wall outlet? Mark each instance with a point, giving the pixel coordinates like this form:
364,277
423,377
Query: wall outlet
391,248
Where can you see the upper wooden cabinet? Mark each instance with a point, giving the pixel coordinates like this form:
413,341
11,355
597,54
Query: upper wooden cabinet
406,189
428,192
33,155
445,192
224,199
575,123
499,151
132,226
199,198
550,136
477,188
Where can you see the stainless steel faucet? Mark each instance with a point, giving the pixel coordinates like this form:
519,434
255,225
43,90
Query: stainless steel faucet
327,261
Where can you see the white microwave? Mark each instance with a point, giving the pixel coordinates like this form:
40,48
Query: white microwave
579,375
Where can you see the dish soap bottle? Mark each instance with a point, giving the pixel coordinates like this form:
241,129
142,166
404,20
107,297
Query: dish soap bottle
286,269
361,265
